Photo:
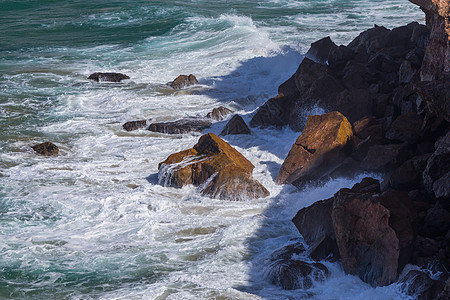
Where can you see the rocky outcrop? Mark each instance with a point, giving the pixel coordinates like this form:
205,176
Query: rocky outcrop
219,113
180,126
236,125
108,77
437,172
183,81
420,285
318,150
358,80
368,246
134,125
436,63
217,168
46,149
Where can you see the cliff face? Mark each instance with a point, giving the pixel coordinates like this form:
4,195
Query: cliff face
436,63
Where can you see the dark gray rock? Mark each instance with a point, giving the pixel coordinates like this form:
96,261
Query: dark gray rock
108,77
180,126
236,125
320,50
134,125
219,113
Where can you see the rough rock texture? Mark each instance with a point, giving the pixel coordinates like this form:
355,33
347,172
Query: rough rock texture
236,125
419,285
215,166
368,246
436,63
109,77
318,150
406,128
435,176
219,113
46,149
436,97
183,81
384,158
134,125
180,126
320,50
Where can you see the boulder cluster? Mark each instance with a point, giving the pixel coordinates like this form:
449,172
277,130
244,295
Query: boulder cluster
388,97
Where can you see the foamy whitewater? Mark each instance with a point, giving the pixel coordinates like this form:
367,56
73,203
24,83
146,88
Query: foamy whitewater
93,222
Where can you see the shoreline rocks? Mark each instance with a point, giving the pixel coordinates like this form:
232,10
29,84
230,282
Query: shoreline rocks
180,126
215,167
46,149
183,81
108,77
134,125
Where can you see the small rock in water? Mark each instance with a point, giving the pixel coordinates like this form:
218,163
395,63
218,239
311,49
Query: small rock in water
419,285
46,149
133,125
236,126
219,113
180,126
109,77
183,81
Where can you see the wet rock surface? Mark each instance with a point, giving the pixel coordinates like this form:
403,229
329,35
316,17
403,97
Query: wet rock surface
183,81
180,126
134,125
236,125
108,77
46,149
219,113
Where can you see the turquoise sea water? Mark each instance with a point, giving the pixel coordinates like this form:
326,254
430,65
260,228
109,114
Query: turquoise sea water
94,222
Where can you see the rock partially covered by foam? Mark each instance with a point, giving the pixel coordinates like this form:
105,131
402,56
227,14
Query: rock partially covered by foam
46,149
218,169
219,113
134,125
183,81
108,77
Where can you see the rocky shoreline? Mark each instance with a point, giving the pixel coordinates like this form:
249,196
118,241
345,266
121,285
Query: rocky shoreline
387,98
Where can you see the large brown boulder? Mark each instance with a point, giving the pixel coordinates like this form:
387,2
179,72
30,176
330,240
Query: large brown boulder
318,150
46,149
108,77
368,246
436,63
215,166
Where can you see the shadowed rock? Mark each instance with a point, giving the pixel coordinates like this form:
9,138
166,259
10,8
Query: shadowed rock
180,126
134,125
46,149
320,50
236,125
108,77
419,285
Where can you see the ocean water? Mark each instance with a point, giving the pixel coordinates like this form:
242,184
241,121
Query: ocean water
93,222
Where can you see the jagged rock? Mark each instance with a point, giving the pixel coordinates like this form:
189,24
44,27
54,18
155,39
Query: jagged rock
219,113
46,149
183,81
326,248
436,63
368,246
288,251
384,158
406,128
180,126
320,50
236,126
436,97
370,41
314,222
134,125
436,173
275,112
419,285
403,219
445,294
318,150
215,166
409,175
437,221
296,274
109,77
339,56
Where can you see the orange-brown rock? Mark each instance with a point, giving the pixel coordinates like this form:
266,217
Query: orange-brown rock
217,168
318,150
183,81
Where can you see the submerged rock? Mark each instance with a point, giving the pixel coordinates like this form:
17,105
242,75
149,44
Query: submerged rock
217,168
236,125
180,126
219,113
183,81
318,150
134,125
46,149
419,285
108,77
